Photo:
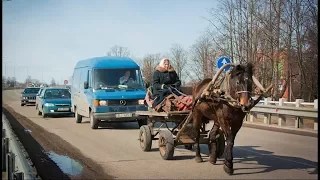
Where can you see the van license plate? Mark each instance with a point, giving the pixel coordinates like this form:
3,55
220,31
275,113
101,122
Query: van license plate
63,109
123,115
31,100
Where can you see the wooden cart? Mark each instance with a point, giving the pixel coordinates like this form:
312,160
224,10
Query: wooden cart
168,138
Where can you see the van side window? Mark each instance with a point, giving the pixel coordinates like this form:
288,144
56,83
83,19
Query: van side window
89,80
76,78
81,78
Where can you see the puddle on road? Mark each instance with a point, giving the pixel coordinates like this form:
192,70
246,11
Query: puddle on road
66,164
27,131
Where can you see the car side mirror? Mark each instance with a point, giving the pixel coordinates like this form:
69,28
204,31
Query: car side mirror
85,85
41,97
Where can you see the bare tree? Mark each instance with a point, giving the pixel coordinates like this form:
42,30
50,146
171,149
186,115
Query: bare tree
202,59
118,51
53,82
276,36
28,80
179,59
149,62
4,79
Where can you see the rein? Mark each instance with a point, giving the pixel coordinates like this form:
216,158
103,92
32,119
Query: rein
177,97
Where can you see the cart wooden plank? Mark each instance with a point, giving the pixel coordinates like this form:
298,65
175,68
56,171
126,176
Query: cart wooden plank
162,114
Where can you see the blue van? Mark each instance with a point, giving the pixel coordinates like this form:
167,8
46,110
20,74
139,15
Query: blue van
101,92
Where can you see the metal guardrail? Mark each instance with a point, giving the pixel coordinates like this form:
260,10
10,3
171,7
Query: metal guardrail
14,162
282,109
292,111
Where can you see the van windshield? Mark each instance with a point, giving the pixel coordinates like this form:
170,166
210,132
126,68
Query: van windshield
117,79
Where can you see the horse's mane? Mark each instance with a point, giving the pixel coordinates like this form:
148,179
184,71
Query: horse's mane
197,90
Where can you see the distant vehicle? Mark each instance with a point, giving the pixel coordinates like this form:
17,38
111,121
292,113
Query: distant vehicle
28,95
37,97
54,101
97,93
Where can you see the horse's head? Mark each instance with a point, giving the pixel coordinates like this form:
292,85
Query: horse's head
240,84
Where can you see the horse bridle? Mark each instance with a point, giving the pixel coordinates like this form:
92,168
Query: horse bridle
238,92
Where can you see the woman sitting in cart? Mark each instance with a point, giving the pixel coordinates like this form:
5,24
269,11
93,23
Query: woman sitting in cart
163,78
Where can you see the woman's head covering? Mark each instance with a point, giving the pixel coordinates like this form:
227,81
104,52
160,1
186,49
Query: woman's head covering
161,67
161,64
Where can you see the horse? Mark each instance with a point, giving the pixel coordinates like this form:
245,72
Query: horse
226,109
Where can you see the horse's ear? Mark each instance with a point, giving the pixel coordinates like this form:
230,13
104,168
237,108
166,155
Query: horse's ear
236,70
249,68
239,68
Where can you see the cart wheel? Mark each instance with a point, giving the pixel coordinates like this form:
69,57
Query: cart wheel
166,144
220,144
145,138
142,122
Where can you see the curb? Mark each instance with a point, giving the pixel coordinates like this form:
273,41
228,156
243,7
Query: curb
301,132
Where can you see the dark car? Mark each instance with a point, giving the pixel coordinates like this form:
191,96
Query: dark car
28,96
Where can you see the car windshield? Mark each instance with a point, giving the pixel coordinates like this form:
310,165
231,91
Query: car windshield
117,79
31,90
57,94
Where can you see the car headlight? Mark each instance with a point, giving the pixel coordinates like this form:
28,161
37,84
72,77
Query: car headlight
48,104
140,101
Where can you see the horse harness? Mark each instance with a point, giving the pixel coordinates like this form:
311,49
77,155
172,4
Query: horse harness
220,92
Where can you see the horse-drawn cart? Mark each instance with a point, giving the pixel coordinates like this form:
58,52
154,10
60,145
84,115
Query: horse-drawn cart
224,102
169,137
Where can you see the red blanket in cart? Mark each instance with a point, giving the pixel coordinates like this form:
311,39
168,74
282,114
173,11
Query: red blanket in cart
170,103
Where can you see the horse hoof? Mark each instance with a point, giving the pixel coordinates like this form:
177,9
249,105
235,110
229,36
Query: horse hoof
212,161
227,170
198,159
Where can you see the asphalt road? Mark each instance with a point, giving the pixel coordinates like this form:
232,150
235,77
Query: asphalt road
258,154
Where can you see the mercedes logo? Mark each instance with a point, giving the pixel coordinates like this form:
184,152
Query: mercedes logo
123,102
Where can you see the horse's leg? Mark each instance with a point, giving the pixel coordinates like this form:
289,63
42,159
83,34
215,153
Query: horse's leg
197,123
213,144
228,164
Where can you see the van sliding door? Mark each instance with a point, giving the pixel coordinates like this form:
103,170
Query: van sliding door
84,93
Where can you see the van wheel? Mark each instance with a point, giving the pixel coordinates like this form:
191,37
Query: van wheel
93,121
77,116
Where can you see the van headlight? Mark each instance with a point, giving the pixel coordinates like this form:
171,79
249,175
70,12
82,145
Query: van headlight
48,104
97,102
103,103
140,101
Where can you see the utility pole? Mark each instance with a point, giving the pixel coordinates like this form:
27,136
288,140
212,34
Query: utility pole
14,75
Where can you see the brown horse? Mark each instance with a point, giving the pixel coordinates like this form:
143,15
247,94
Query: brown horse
227,110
